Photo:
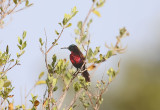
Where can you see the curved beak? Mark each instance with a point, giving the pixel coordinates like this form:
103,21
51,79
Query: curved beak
64,48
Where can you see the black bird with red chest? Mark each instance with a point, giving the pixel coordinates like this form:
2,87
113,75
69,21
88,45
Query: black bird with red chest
77,59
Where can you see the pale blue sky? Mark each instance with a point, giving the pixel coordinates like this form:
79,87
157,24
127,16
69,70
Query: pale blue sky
140,17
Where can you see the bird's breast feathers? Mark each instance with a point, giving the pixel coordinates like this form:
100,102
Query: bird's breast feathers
76,59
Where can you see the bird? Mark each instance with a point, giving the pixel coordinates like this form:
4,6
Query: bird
78,60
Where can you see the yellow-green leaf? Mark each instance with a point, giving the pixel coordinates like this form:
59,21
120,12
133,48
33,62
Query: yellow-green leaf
41,82
1,83
70,24
97,13
54,82
56,32
7,83
40,75
7,49
15,1
24,33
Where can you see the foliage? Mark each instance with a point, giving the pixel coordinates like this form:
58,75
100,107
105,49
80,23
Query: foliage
6,64
59,71
8,7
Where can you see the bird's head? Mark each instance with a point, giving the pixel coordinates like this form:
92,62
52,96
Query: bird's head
72,48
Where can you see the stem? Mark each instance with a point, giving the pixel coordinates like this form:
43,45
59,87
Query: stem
8,70
46,50
74,99
55,41
85,20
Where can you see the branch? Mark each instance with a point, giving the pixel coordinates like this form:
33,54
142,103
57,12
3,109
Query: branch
60,101
74,99
84,22
46,50
8,70
55,41
89,95
31,89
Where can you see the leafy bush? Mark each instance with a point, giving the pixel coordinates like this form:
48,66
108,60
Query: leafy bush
60,71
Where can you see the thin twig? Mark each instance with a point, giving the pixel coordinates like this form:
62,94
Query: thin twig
55,41
74,99
31,89
60,101
90,99
46,50
4,73
85,20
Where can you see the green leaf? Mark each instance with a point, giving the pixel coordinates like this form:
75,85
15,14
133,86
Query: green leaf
40,40
54,82
24,45
90,21
122,31
12,60
22,52
96,51
40,82
74,106
56,32
79,25
15,1
109,54
97,13
65,21
55,88
101,57
40,75
76,31
54,58
92,60
111,73
101,100
60,24
7,83
54,108
76,86
27,2
74,13
7,50
74,9
71,108
69,25
24,33
90,53
19,40
32,95
29,5
1,83
86,105
50,69
19,47
67,16
100,4
77,41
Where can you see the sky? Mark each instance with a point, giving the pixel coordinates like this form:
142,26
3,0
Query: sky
140,17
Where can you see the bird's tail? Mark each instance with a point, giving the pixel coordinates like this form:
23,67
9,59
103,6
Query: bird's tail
86,75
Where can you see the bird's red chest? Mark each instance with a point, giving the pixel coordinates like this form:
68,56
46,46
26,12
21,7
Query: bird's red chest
76,60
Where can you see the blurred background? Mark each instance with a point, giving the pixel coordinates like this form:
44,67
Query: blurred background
137,86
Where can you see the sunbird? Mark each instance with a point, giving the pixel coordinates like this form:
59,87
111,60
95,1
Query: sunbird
78,60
